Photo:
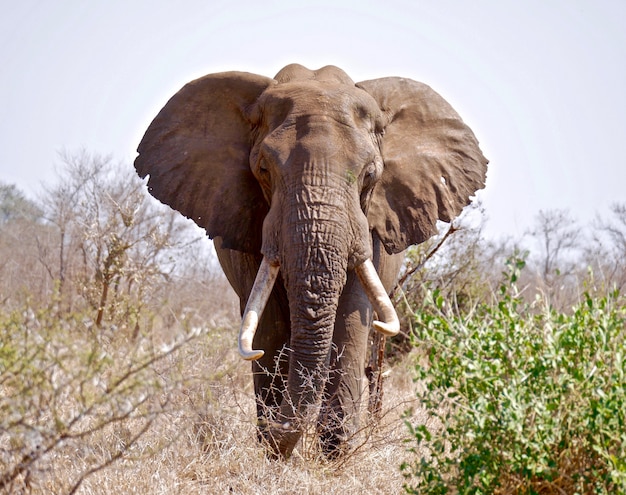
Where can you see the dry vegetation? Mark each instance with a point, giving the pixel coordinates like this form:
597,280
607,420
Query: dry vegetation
205,442
197,435
118,363
119,371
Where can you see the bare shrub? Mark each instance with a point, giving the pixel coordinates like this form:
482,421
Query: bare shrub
68,389
193,432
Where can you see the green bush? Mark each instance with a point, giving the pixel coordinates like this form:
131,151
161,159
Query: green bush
522,398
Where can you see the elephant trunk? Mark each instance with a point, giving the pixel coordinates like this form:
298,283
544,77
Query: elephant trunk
314,264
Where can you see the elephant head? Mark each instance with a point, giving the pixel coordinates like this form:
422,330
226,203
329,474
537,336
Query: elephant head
304,169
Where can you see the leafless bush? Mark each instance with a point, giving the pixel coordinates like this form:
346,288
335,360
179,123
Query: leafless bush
192,427
96,284
100,241
69,388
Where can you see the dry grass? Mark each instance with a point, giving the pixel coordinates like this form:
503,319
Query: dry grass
205,440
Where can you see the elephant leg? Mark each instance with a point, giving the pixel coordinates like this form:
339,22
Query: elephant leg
339,415
272,335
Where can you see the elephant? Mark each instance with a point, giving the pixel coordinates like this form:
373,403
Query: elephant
312,187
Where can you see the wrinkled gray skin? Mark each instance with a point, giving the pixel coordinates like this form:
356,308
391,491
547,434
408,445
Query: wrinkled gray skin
316,174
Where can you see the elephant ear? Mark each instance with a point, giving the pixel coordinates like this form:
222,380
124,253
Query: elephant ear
433,165
196,154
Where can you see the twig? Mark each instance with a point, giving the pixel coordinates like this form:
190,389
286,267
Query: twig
118,455
451,230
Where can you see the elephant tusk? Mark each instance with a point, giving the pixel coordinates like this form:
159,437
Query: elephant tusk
261,290
390,325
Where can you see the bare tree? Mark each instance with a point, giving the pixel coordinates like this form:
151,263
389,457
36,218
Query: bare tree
61,203
607,253
558,240
116,248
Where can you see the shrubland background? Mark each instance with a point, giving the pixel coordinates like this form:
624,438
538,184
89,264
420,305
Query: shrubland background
119,371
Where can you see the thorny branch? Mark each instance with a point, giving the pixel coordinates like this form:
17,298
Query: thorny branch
409,273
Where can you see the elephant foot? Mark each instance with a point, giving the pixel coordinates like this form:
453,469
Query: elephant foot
335,429
278,438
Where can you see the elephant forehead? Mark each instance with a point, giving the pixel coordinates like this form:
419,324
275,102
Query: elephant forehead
344,103
328,73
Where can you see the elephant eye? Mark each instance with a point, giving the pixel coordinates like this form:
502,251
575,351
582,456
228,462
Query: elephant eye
370,175
263,169
264,176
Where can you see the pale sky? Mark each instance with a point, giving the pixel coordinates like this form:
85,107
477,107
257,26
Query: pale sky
541,82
